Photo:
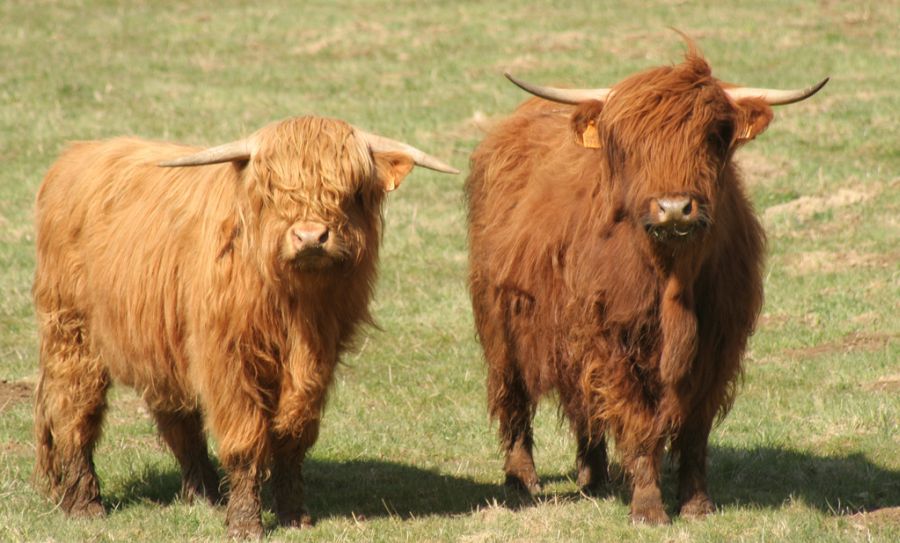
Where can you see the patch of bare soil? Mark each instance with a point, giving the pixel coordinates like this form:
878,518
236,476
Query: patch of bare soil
830,262
883,516
474,127
855,342
14,393
806,206
761,169
888,383
772,320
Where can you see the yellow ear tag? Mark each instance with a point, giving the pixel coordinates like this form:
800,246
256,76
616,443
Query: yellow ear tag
389,184
590,138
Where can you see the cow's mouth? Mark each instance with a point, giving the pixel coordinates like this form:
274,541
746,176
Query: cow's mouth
313,259
673,232
675,217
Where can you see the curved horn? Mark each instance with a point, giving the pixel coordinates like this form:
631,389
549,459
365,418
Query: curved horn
775,97
565,96
379,144
228,152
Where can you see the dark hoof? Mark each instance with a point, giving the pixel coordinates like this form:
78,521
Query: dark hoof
654,516
531,487
245,530
193,493
301,520
91,509
592,486
697,507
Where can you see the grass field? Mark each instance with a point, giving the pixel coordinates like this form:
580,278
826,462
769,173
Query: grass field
811,450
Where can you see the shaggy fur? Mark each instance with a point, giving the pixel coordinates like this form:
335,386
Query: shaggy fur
573,290
185,283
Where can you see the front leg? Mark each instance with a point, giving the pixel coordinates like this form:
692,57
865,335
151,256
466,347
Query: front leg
288,453
646,498
243,516
691,445
304,386
240,423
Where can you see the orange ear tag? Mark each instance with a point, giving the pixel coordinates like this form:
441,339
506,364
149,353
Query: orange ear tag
590,138
747,132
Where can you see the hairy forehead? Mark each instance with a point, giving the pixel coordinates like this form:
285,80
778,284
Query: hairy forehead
309,151
668,106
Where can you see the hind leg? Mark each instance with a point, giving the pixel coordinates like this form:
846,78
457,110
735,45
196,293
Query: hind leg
508,398
592,464
70,403
183,432
515,414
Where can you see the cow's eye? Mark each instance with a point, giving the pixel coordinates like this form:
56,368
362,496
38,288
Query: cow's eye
719,137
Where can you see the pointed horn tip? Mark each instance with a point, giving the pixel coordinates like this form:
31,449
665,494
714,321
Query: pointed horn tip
434,164
446,168
821,84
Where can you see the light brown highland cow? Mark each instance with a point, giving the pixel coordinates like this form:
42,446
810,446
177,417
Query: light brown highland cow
616,259
224,294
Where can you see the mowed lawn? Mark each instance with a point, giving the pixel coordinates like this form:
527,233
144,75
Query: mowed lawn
811,450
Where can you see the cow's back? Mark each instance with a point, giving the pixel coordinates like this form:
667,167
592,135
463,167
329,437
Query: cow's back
120,248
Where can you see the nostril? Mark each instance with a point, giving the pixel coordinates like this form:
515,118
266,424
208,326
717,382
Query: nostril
310,234
674,208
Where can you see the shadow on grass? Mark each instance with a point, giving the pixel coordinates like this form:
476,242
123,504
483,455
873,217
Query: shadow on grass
773,476
762,477
368,488
374,488
153,484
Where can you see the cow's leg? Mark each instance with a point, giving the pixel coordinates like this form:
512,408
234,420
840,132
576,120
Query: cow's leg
646,497
243,515
691,447
240,425
510,403
288,453
70,404
508,398
592,464
183,432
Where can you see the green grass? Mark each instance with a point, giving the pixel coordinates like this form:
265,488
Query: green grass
406,451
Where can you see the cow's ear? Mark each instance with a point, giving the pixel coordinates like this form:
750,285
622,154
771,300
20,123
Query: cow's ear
391,168
585,120
753,116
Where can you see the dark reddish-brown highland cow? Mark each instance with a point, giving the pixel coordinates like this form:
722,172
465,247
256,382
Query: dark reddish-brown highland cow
616,259
224,292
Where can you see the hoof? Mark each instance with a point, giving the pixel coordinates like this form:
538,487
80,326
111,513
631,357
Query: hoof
300,520
697,507
530,487
590,485
651,516
647,507
244,530
91,509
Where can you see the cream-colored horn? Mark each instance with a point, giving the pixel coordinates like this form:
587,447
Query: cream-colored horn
775,97
228,152
378,144
565,96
